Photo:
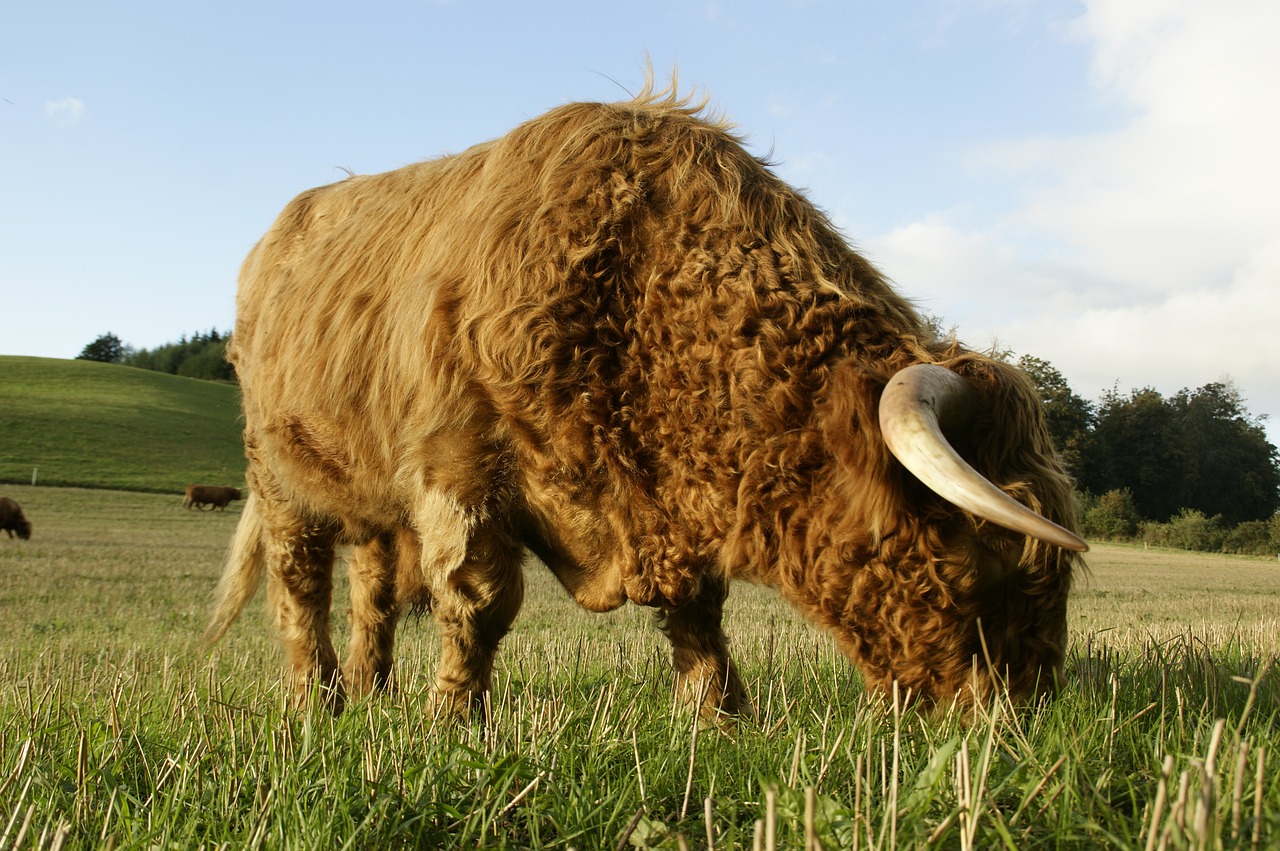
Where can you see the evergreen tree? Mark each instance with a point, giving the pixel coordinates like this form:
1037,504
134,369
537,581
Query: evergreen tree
107,349
203,355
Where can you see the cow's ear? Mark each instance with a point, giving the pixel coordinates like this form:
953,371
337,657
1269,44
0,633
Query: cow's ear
444,527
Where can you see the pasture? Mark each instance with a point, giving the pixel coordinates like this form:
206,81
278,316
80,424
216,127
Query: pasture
117,731
101,425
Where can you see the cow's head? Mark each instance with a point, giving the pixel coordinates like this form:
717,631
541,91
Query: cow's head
923,402
961,589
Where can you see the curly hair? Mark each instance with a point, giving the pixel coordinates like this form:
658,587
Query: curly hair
615,338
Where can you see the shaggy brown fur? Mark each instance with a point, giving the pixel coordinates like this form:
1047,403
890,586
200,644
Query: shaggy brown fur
615,338
12,519
214,496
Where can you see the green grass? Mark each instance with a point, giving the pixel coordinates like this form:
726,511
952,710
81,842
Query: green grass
116,730
88,424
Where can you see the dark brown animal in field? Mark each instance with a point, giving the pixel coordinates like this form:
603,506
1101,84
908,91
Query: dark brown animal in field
616,339
214,496
12,520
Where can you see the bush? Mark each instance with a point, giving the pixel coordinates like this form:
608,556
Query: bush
1253,537
1112,517
1189,530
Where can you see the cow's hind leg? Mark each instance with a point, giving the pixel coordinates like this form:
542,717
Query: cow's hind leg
705,674
374,612
474,606
300,574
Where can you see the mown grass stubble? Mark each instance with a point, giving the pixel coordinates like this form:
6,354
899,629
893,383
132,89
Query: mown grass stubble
115,729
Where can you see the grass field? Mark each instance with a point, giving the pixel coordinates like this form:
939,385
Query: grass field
101,425
115,730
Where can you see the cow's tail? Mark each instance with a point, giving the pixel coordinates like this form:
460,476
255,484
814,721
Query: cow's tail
242,575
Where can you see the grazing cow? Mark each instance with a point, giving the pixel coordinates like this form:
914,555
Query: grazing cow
12,519
214,496
613,337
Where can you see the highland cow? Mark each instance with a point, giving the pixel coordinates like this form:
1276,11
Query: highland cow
613,338
12,520
214,496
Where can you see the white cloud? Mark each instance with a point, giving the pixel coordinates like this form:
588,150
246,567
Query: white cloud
66,112
976,280
1097,336
1181,194
1149,254
1185,340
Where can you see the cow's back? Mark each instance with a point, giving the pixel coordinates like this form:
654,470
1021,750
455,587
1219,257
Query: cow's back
344,344
548,295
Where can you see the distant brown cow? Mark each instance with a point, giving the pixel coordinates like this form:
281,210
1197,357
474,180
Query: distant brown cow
214,496
12,520
614,338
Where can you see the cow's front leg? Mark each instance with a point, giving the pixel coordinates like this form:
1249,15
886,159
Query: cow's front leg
301,576
474,607
705,675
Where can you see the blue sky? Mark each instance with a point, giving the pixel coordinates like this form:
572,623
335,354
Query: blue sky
1092,183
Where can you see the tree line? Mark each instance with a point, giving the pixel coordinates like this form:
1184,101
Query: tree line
202,355
1193,470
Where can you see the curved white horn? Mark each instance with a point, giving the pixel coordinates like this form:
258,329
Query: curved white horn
915,405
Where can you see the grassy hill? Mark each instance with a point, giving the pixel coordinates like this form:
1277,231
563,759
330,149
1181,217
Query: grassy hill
101,425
